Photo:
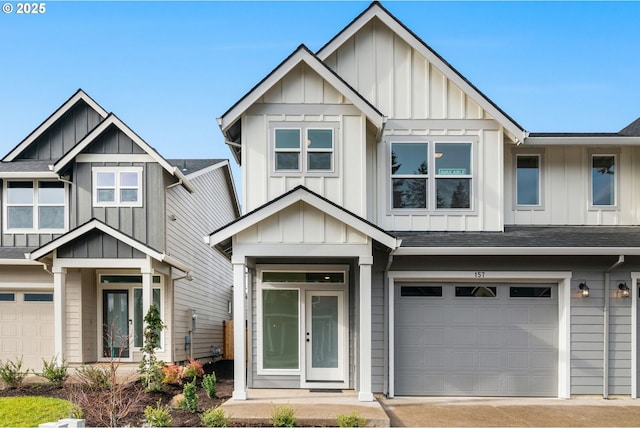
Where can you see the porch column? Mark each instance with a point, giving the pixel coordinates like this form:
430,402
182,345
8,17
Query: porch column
147,289
239,321
59,311
364,393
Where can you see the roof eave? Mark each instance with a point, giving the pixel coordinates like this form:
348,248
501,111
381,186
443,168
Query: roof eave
586,140
516,251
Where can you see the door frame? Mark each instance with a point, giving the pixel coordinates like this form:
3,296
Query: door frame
121,290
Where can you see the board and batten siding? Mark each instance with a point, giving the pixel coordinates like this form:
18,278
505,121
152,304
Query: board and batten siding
566,192
209,293
146,223
302,98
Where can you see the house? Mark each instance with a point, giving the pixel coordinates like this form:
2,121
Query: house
97,226
404,235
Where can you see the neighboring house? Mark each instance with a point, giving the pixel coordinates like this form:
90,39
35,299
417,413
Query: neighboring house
404,235
97,226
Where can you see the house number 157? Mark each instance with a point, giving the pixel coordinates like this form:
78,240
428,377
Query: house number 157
479,274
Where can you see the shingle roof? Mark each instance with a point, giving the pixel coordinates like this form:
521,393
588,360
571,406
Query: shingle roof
189,166
529,236
632,129
25,166
14,252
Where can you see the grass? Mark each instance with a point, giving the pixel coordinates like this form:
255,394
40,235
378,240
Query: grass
33,411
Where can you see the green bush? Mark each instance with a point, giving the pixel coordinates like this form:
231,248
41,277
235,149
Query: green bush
94,377
283,416
209,384
11,373
190,397
53,372
33,411
351,420
214,417
159,416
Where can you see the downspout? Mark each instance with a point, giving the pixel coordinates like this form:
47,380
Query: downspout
605,315
385,297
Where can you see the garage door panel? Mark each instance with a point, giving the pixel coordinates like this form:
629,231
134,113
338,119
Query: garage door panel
484,346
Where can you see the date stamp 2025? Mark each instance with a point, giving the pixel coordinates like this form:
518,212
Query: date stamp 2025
24,8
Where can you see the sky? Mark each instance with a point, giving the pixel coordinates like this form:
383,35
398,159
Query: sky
169,69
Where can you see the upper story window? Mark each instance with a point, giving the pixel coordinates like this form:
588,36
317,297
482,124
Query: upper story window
528,180
603,180
299,149
34,206
431,175
117,186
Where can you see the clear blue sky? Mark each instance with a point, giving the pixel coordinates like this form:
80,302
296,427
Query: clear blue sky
169,69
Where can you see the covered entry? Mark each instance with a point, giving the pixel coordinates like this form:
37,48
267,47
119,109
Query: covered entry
476,339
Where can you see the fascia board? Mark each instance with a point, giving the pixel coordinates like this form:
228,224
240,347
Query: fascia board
23,174
19,262
582,141
377,12
79,95
300,55
98,130
516,251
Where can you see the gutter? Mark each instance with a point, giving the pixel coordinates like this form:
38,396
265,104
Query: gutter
605,315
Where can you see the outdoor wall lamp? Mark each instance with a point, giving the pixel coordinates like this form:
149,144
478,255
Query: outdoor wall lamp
585,290
624,290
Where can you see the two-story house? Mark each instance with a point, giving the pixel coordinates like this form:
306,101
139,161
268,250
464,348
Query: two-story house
404,235
97,226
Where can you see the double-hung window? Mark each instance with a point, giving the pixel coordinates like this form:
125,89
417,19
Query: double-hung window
117,186
303,149
528,180
431,175
603,180
35,205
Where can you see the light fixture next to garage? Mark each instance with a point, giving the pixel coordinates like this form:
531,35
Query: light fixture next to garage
624,289
585,290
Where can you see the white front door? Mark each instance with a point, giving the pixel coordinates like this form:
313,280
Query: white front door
325,336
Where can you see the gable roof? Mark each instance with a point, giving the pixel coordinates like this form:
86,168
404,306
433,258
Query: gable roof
95,224
376,10
301,55
110,120
78,96
221,238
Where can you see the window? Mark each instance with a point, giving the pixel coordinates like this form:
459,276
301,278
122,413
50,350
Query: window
315,155
421,291
431,175
475,291
38,297
35,205
528,180
7,297
603,183
278,276
119,186
280,321
138,315
530,292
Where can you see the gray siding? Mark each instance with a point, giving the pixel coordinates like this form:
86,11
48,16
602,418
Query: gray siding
113,141
145,224
65,133
196,215
97,244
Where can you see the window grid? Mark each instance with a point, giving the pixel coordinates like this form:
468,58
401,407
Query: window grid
40,207
315,155
115,187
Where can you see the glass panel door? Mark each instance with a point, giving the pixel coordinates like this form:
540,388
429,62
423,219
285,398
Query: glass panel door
115,323
325,336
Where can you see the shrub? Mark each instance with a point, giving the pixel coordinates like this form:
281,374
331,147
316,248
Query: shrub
283,416
209,384
33,411
150,368
93,377
353,419
190,397
171,374
11,373
53,372
159,416
193,369
214,417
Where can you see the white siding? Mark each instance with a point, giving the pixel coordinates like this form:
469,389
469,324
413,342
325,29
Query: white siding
197,215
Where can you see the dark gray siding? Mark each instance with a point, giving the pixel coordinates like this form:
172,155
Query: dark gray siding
97,244
65,133
145,224
113,141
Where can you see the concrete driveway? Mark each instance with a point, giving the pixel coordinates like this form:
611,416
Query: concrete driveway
510,412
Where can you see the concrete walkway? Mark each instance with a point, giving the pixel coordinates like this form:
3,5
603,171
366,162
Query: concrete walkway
322,409
311,408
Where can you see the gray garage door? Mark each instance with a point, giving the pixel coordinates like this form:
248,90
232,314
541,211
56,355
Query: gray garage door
476,339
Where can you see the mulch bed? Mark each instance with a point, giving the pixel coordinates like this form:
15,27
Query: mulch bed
181,418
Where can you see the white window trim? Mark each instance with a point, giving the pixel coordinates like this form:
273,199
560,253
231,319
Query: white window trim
117,187
616,180
540,154
35,205
303,168
129,287
432,177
